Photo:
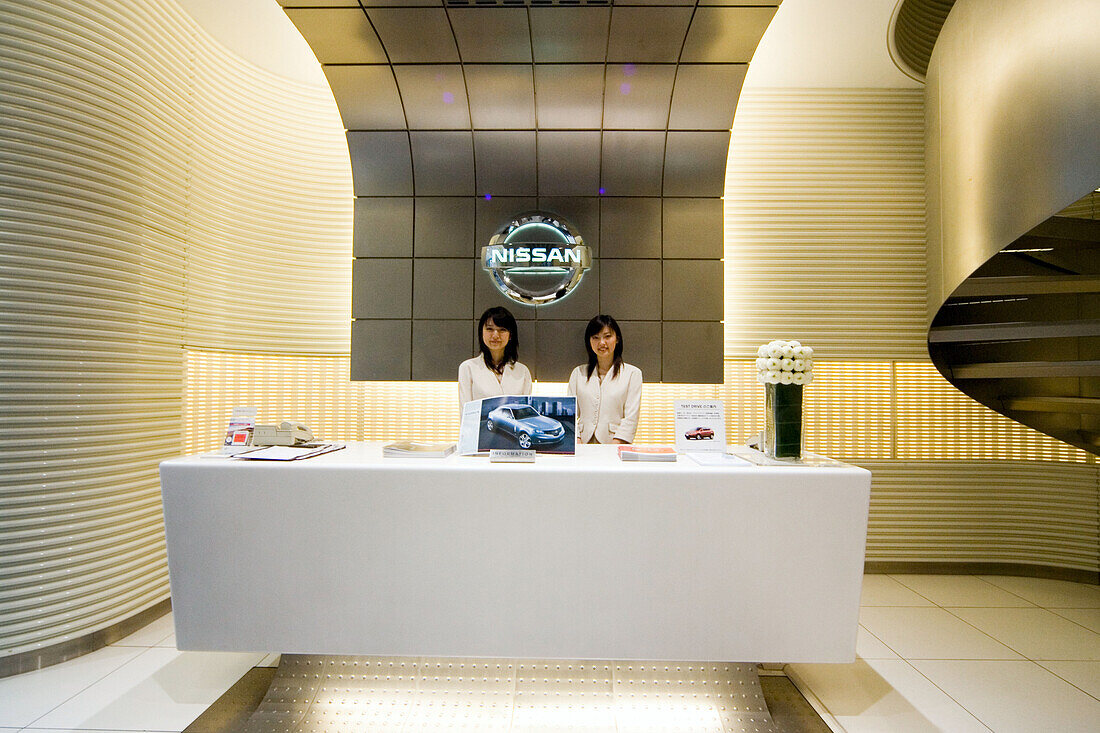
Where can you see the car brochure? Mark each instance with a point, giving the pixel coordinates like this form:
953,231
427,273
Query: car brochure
238,434
289,452
412,449
700,426
646,453
526,422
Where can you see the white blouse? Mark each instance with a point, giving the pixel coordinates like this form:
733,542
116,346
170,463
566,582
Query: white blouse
477,381
607,408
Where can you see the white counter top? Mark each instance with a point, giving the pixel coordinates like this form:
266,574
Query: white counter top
570,557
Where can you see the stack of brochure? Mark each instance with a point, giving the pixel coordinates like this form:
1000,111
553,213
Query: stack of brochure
646,453
408,448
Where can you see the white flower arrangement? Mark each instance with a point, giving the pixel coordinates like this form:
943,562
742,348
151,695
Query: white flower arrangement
784,362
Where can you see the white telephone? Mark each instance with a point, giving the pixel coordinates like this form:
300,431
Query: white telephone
288,432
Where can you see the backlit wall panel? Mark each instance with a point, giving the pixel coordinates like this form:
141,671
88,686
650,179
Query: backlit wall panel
825,222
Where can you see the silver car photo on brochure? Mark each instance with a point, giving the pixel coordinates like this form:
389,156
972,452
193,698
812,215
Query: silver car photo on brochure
525,424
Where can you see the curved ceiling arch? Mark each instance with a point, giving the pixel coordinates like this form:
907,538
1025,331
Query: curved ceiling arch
461,115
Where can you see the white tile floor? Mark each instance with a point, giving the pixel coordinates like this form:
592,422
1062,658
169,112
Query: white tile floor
967,653
935,653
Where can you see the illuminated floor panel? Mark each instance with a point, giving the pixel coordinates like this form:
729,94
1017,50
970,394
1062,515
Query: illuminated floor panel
347,694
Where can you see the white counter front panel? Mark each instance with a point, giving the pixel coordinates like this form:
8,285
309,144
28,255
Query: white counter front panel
580,557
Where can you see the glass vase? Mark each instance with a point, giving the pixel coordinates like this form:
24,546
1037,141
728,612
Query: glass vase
783,420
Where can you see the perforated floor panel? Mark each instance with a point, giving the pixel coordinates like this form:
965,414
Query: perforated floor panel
336,694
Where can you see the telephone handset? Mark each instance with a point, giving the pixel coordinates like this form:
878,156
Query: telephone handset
288,432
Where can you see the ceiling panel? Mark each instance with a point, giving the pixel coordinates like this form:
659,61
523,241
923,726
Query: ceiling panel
502,96
368,97
443,163
434,96
492,34
637,96
725,35
705,96
569,96
569,34
338,35
412,35
635,38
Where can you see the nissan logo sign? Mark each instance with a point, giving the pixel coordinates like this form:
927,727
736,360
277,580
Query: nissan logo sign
536,259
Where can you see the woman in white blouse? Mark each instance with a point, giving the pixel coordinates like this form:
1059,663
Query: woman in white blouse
608,390
497,370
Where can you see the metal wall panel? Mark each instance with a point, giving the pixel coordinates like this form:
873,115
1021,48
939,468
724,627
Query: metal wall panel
632,162
369,97
443,163
569,96
502,96
637,96
381,163
383,227
505,163
569,35
444,227
434,96
633,39
339,35
414,35
491,34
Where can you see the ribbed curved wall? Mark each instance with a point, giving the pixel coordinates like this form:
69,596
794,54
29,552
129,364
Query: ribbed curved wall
93,288
158,193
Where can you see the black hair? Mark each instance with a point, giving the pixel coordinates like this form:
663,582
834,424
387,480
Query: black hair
502,319
595,326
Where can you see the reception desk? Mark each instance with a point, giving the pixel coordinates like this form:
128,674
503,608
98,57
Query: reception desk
572,557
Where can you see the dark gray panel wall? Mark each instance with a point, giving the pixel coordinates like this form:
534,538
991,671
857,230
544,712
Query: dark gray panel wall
461,117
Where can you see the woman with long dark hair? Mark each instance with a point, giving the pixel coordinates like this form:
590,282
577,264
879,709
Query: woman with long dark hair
497,369
608,390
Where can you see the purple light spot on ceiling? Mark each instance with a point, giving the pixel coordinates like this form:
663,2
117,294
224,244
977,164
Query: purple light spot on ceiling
602,191
624,88
628,70
448,98
488,196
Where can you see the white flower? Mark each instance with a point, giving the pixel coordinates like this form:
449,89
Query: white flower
807,352
786,350
762,377
761,363
795,344
786,377
772,364
786,364
773,376
798,364
798,378
774,351
809,377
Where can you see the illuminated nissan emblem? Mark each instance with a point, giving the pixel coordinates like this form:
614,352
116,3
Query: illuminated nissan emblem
536,259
